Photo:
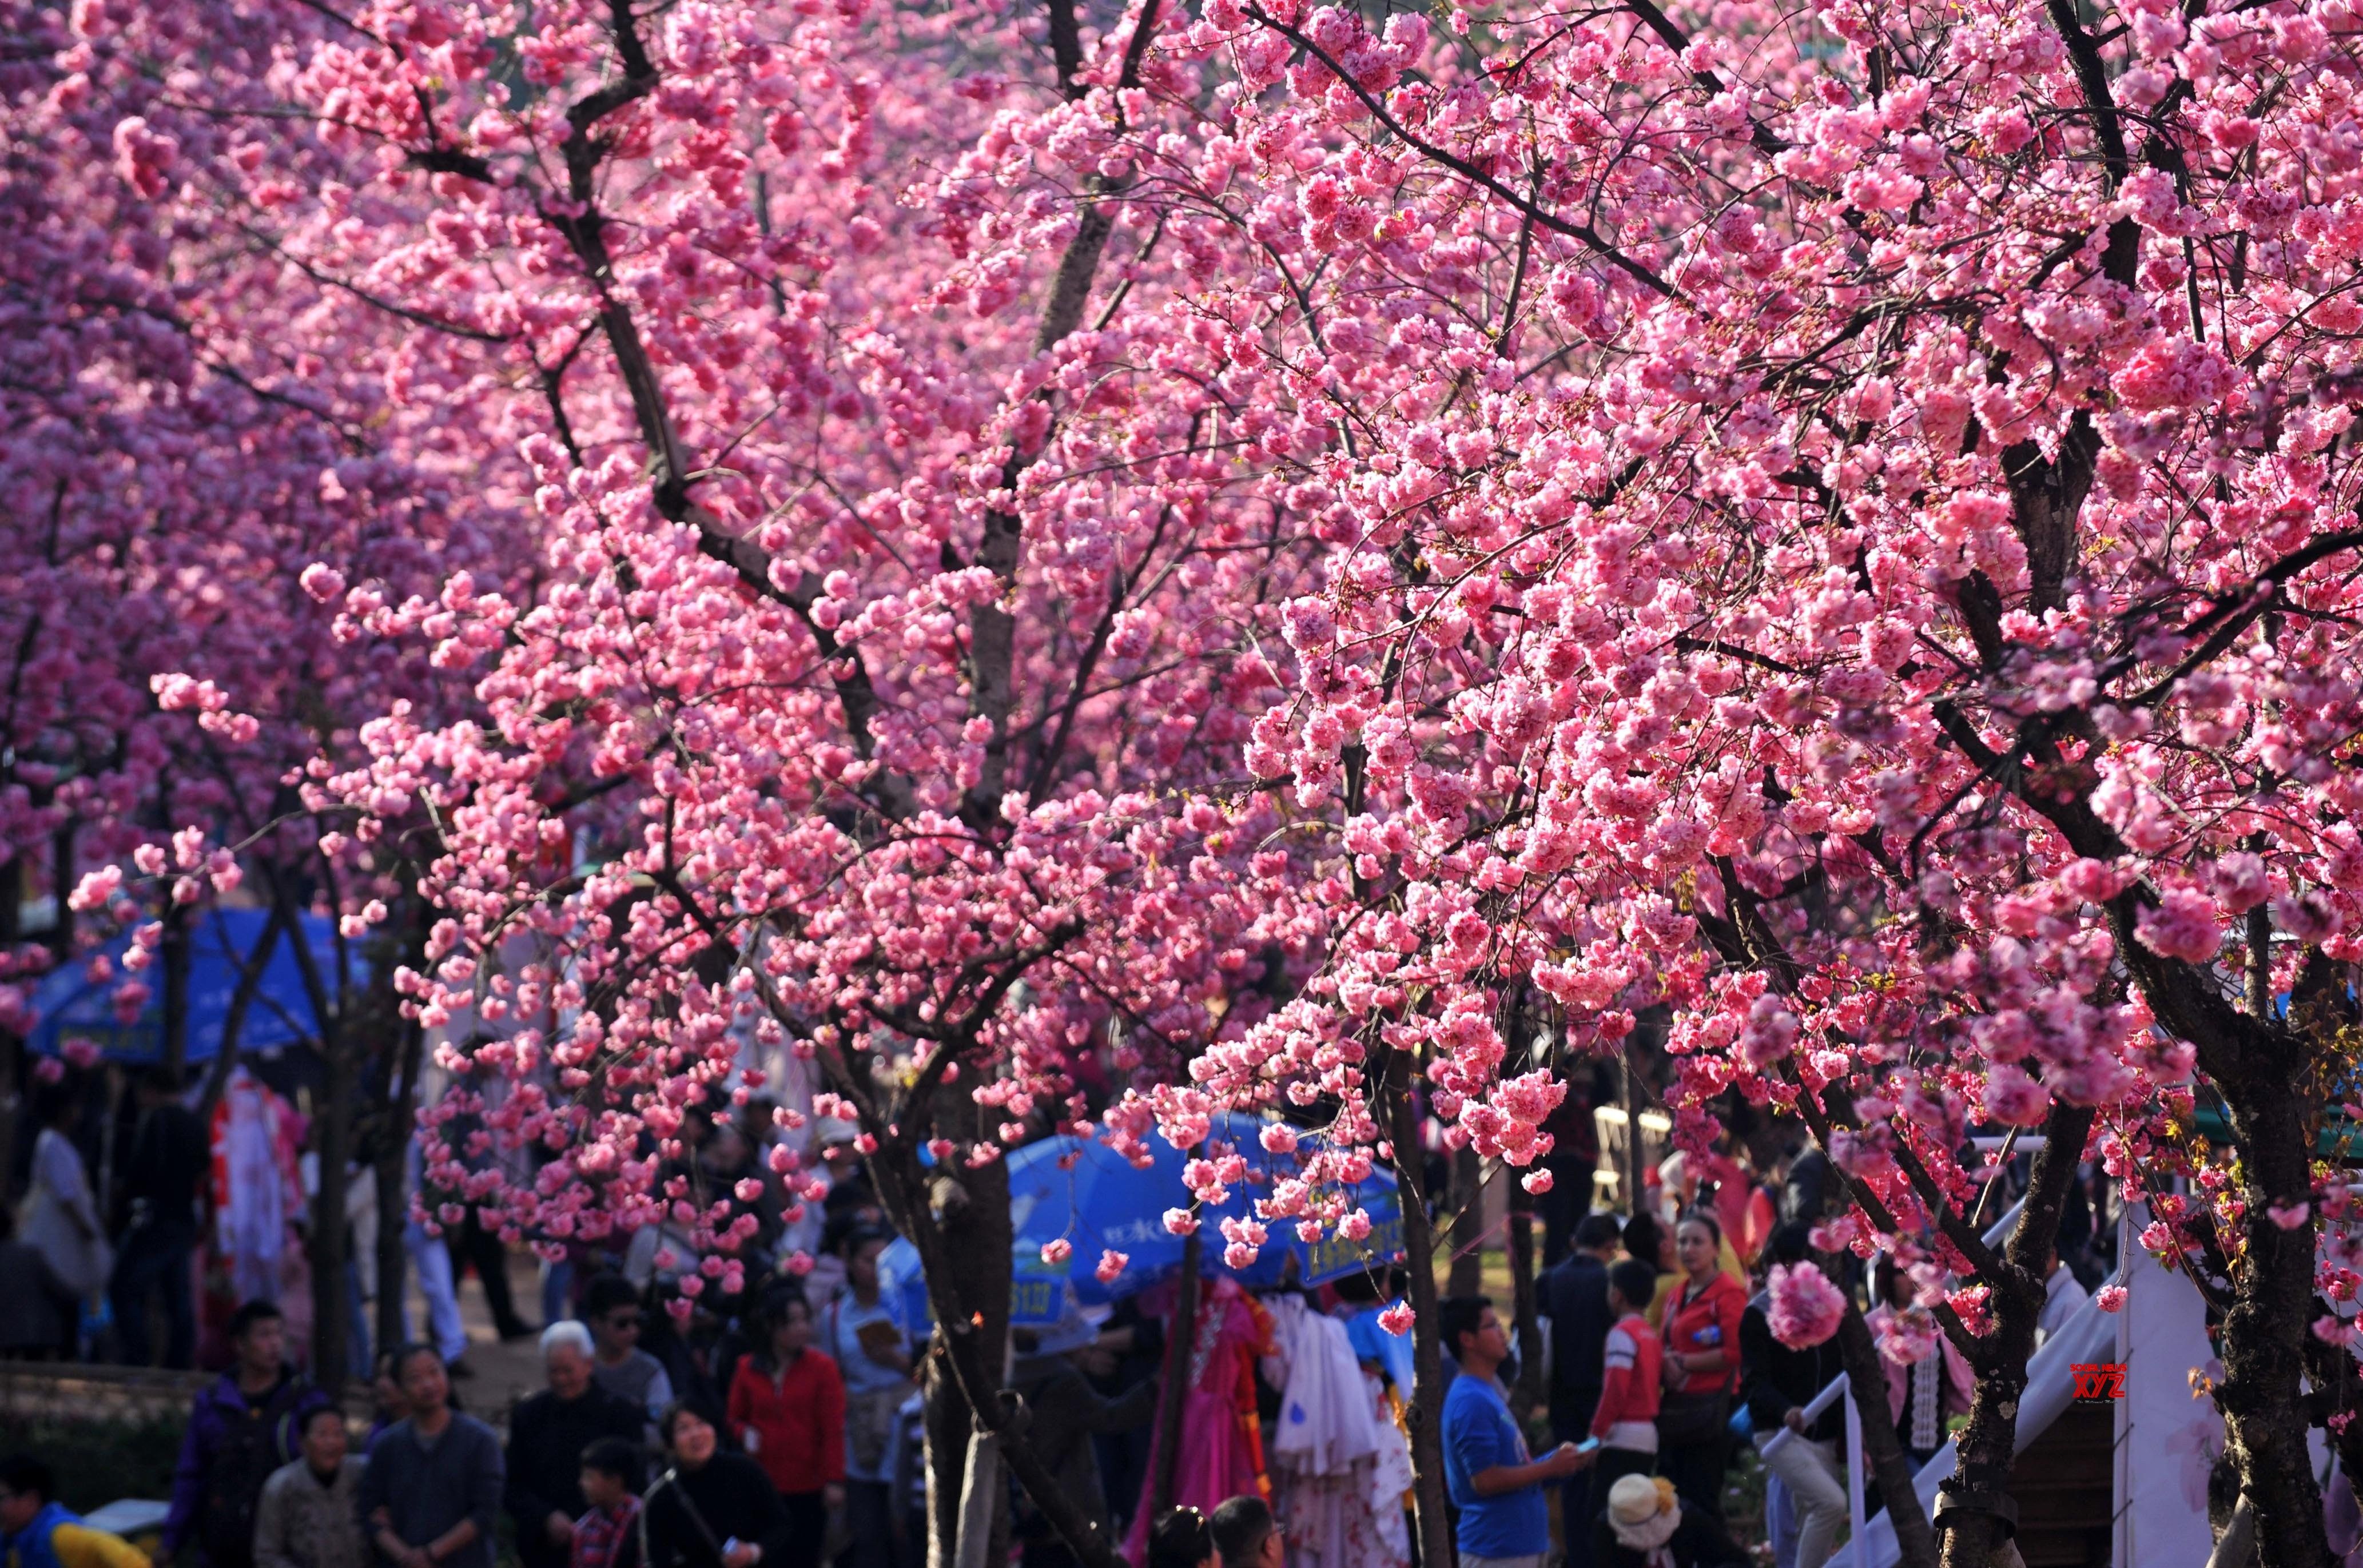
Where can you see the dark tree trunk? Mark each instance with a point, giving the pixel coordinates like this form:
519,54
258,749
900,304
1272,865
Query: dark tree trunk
400,1111
1890,1467
1181,1334
60,934
948,1426
2266,1330
172,956
1528,1393
1975,1508
1425,1416
1631,1187
1465,1223
972,1328
11,1051
972,1218
330,1309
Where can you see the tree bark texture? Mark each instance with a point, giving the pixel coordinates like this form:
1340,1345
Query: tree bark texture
1890,1467
948,1423
1465,1223
331,1312
1425,1416
172,955
400,1111
967,1334
1527,1395
2266,1330
1975,1512
1181,1335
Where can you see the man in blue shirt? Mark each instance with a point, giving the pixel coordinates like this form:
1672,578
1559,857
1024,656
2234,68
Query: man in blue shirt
1505,1518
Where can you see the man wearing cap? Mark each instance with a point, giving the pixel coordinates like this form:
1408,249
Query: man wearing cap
1050,1376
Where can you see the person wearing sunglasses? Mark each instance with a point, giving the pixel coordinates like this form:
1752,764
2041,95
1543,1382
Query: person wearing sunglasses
612,1309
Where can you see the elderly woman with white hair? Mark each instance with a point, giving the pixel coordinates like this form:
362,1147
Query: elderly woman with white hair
547,1433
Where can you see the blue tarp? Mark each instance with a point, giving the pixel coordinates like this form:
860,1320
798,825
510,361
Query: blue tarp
71,1006
1099,1201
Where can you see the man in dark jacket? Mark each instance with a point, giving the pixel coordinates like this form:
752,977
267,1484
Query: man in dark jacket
548,1434
160,1229
431,1495
1778,1384
1574,1296
240,1429
1067,1411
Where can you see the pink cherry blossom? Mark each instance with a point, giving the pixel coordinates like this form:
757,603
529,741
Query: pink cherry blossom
1806,1308
1242,555
2182,926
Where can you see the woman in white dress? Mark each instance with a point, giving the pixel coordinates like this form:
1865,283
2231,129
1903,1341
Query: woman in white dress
61,1220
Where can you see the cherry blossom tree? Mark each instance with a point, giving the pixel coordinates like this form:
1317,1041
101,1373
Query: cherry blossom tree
1854,539
903,588
173,402
1280,548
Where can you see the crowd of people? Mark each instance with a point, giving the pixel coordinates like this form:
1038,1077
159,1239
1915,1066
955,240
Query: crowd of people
781,1423
267,1477
1663,1364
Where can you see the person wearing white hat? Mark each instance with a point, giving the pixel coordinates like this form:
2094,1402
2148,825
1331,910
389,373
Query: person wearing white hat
1644,1525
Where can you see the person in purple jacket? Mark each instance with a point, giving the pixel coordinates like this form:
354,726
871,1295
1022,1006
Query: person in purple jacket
240,1429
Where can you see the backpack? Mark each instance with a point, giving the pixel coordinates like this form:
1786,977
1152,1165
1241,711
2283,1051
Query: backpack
251,1449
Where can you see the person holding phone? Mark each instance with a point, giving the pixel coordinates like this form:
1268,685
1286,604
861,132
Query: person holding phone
1505,1513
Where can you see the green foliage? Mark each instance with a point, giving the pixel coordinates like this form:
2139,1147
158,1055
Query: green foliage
98,1462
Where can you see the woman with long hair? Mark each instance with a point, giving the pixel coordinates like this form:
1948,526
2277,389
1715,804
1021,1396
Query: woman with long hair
787,1405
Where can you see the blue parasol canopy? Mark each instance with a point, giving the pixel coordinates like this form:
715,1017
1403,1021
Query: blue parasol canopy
71,1006
1081,1190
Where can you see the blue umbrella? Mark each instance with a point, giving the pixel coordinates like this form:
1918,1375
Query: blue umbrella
71,1006
1085,1192
1034,1287
1082,1192
1283,1256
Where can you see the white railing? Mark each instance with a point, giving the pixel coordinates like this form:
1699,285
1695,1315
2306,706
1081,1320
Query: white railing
1858,1546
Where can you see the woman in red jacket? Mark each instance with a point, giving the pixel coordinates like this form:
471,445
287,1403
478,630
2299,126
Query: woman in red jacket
1700,1367
787,1405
